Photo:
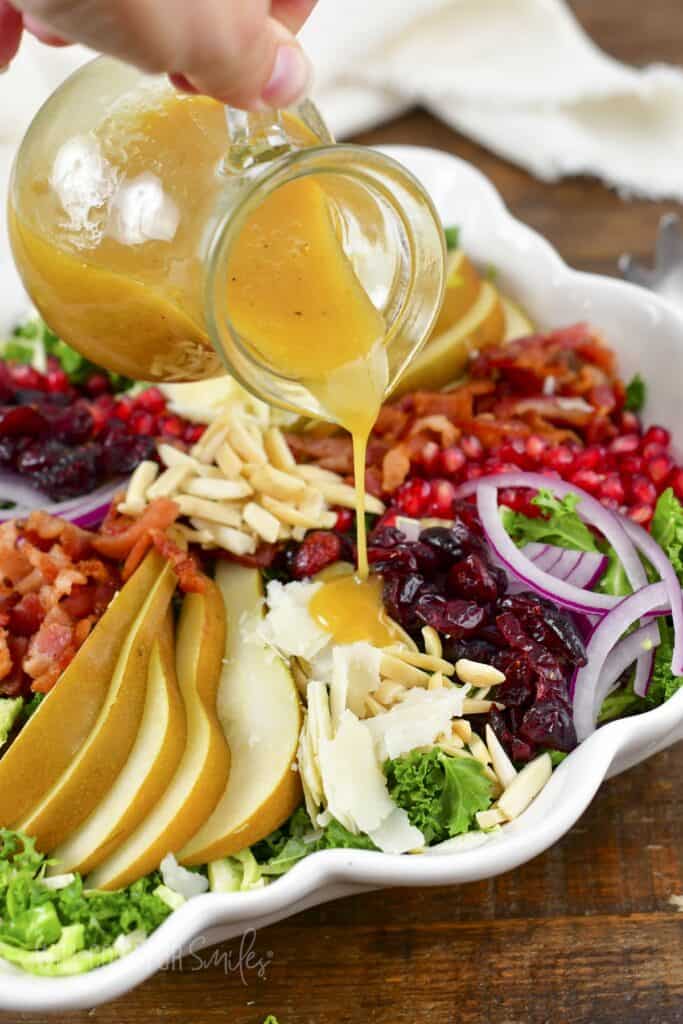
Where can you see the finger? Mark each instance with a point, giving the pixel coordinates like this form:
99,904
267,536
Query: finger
292,13
10,32
42,32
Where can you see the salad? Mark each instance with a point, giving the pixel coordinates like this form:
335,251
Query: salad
196,694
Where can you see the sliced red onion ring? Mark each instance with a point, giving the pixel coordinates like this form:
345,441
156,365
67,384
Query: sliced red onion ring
582,568
518,564
588,570
592,682
626,652
646,543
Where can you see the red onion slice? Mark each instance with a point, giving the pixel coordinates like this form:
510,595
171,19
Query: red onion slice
655,555
588,570
582,568
86,511
629,649
592,682
519,565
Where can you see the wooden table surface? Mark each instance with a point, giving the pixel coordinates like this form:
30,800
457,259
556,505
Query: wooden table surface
584,934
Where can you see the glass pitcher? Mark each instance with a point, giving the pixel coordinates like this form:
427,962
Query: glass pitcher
128,200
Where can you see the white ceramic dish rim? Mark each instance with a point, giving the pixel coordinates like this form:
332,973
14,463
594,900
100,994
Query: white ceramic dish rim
554,294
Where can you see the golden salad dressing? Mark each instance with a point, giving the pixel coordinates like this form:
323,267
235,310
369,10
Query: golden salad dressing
351,610
124,283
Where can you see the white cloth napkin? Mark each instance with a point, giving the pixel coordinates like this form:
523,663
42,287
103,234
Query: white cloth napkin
521,77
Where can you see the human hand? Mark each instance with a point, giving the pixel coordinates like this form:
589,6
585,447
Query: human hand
243,53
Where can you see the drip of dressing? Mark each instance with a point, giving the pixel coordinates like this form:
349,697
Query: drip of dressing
351,611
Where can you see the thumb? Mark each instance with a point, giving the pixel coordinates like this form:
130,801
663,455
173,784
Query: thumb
248,63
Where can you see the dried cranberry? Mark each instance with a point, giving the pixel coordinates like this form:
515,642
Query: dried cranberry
452,542
549,724
318,550
73,425
453,618
21,420
121,453
399,560
520,751
70,473
386,537
518,690
98,384
455,648
474,578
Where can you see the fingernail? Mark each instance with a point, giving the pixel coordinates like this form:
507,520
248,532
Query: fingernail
182,83
290,79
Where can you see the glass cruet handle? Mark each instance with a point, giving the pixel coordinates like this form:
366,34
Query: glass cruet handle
254,138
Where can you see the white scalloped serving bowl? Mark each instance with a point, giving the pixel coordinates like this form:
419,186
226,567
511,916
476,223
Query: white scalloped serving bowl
647,334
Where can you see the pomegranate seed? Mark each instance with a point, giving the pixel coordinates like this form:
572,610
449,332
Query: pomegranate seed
588,479
472,447
627,444
630,424
658,469
143,423
53,363
610,503
590,458
97,384
513,451
641,514
442,498
57,381
514,499
452,460
652,449
26,377
412,498
643,490
151,400
535,447
123,409
430,457
344,520
630,465
171,426
612,489
193,432
559,458
473,472
677,483
657,435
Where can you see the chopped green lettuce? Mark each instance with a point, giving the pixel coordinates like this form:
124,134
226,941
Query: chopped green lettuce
663,683
35,918
33,342
440,794
667,528
559,524
10,710
636,393
452,238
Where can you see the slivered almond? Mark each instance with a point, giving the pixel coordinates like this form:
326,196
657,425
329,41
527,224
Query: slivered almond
207,446
218,490
261,522
388,692
293,516
315,474
171,456
212,511
245,444
502,765
462,729
228,461
452,747
489,819
526,785
194,536
432,641
479,749
278,451
437,681
479,707
394,668
277,484
345,495
170,481
136,495
236,541
476,673
429,662
374,706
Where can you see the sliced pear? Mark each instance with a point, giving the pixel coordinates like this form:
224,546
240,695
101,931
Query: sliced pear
260,712
203,771
147,773
50,741
517,323
443,358
463,284
90,776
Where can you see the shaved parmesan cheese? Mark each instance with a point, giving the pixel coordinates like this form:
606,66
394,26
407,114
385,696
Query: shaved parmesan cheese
288,624
416,721
396,834
355,675
354,783
180,880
